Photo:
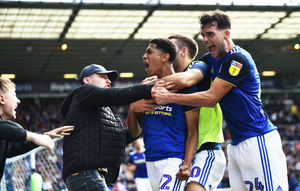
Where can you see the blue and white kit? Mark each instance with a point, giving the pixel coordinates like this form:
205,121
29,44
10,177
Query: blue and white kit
164,131
256,159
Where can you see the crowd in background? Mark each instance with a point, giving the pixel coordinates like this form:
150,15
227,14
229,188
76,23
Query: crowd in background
42,115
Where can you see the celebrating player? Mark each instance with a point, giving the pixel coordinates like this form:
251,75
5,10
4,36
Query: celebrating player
170,131
255,155
209,163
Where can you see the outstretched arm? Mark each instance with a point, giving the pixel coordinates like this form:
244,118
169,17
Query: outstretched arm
59,132
209,98
11,131
185,79
93,96
191,143
17,136
41,140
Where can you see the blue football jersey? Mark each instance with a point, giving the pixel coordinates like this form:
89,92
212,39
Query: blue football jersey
164,130
139,160
241,106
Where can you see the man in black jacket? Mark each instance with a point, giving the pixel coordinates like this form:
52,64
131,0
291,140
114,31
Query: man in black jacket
95,149
14,140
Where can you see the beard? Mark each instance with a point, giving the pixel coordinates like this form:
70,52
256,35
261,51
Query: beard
221,50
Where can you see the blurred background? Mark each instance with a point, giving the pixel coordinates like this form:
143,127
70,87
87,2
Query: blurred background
45,44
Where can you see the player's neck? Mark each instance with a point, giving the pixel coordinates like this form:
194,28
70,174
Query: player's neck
184,65
166,70
230,45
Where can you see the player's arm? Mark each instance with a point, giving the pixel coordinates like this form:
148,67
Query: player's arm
185,79
135,118
209,98
192,118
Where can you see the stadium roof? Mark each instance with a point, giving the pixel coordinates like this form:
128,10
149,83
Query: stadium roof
116,34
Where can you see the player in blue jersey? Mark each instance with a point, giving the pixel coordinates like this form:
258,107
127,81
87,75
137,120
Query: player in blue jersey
209,164
137,164
255,157
170,131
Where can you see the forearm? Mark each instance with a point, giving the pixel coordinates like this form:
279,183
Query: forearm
198,99
178,79
134,124
184,79
190,148
98,97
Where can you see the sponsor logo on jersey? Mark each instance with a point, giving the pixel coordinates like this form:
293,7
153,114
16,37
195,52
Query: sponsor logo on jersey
235,68
161,110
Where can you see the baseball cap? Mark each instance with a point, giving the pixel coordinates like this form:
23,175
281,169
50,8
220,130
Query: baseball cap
96,68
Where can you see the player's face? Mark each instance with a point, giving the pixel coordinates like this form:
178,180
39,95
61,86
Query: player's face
100,80
9,103
152,60
213,39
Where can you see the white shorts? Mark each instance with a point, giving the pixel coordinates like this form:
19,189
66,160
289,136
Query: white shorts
162,174
208,168
142,184
258,163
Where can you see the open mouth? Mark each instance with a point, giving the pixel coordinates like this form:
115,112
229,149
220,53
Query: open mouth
146,65
211,48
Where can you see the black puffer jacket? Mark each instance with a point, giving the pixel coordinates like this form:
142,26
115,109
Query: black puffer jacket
99,138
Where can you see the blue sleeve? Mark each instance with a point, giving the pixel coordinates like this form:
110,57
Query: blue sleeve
188,90
202,66
235,69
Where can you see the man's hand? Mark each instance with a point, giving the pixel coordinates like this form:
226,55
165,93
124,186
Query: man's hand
150,80
183,173
142,105
59,132
42,140
160,93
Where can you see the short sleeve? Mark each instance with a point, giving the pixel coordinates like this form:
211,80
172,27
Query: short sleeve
188,90
235,69
202,66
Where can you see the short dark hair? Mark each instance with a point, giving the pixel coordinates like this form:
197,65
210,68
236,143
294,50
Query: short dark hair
166,46
188,42
223,20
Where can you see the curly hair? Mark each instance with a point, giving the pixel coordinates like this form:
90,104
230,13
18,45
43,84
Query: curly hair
223,20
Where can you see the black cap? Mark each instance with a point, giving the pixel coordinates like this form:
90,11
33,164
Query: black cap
95,68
